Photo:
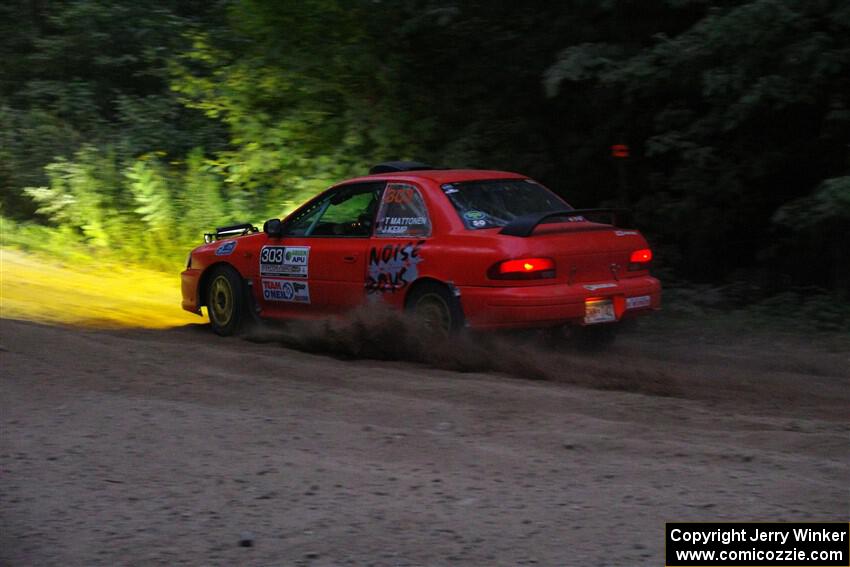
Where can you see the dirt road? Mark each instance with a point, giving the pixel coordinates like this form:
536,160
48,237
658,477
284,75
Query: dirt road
168,447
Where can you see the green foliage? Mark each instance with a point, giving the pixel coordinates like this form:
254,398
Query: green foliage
135,127
76,197
816,227
830,203
741,307
90,73
201,200
151,195
285,98
736,116
146,211
58,242
806,310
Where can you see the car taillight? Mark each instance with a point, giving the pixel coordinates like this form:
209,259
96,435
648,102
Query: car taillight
640,259
523,269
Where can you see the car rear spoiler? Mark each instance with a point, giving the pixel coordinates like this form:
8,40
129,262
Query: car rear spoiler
226,231
525,225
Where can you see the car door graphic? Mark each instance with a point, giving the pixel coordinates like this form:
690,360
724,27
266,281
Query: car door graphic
318,267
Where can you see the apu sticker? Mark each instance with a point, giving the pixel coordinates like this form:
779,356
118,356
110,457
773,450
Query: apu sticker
284,261
474,215
226,249
290,291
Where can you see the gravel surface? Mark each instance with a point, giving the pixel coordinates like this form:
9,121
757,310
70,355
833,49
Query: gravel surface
181,448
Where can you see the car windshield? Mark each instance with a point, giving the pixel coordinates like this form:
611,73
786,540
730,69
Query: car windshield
495,203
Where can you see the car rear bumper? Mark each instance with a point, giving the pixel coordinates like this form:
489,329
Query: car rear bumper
557,304
189,286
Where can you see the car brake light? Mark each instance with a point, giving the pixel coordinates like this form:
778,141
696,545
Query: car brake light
640,259
524,269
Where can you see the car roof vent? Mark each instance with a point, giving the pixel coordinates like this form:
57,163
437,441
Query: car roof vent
397,166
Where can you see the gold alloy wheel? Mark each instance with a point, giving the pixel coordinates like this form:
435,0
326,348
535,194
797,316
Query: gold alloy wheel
432,310
221,301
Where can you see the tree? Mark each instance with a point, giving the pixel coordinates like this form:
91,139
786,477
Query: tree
738,114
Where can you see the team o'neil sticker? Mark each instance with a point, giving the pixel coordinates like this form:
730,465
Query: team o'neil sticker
291,291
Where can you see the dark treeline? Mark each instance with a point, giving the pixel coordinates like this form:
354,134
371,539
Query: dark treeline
134,126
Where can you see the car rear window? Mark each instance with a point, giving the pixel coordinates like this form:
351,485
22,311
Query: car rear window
495,203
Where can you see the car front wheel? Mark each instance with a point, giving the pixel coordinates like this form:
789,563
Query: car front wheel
226,301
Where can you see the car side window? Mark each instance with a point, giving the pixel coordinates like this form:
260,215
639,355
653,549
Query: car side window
403,212
346,212
299,225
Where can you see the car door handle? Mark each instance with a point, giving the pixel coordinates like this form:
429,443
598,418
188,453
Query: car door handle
350,259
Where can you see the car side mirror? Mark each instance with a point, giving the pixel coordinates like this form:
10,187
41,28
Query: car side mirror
274,228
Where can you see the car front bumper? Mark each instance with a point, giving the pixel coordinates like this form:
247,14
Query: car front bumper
189,280
557,304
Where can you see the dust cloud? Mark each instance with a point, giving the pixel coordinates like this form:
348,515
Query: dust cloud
383,334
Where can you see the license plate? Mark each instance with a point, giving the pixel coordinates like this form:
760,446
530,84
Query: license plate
638,302
599,311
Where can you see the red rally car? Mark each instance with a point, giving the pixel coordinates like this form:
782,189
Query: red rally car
458,248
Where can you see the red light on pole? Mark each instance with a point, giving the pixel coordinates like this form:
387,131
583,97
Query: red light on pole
620,151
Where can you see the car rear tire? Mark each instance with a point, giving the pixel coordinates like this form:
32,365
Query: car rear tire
226,301
435,306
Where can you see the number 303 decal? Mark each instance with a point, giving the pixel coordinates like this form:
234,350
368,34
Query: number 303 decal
273,255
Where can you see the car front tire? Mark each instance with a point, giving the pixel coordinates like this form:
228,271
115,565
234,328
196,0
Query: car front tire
226,301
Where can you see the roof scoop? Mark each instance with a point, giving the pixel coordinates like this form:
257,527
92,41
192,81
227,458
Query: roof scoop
399,166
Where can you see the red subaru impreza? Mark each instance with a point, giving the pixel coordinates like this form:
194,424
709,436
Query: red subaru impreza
457,247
